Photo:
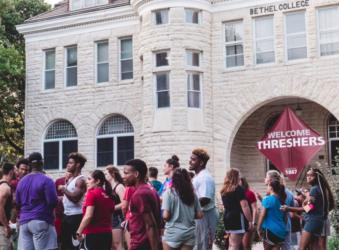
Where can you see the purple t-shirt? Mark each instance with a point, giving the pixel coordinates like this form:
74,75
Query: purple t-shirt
36,198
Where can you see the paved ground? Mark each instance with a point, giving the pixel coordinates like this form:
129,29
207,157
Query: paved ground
258,246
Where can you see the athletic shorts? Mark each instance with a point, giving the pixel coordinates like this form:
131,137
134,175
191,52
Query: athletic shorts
69,226
102,241
116,221
271,239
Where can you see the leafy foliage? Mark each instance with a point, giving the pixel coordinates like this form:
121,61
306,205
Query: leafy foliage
12,74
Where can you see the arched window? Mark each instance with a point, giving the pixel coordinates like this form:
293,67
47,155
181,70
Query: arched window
115,141
333,138
61,139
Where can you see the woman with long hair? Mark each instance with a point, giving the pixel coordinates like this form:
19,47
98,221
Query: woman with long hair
170,165
114,177
98,207
237,215
317,206
272,221
180,207
252,201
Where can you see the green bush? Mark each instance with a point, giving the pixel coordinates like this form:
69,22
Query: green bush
333,243
220,233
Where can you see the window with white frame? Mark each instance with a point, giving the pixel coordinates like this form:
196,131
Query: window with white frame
60,140
126,58
295,35
79,4
264,40
328,24
333,138
71,66
160,16
115,141
234,47
162,89
192,16
193,58
102,63
49,74
193,89
161,58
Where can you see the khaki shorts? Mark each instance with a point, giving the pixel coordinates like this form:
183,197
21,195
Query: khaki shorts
5,243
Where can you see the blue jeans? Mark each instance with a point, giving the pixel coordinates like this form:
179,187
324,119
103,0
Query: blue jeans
37,235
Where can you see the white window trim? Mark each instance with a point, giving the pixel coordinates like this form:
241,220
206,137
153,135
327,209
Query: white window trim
60,140
199,16
262,39
164,67
318,30
295,34
200,58
168,72
97,63
188,72
120,39
44,70
232,44
66,67
115,146
154,21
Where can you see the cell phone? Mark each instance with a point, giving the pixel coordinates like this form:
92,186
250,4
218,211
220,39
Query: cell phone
308,207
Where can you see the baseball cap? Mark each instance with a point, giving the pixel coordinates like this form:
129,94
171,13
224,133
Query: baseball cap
35,157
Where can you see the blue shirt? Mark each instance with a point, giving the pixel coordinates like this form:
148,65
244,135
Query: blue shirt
274,219
289,202
36,197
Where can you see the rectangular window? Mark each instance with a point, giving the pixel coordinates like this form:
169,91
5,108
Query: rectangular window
234,44
49,77
193,58
126,58
51,155
162,89
102,61
71,66
161,59
296,35
192,16
79,4
264,40
160,16
328,23
193,90
125,149
105,152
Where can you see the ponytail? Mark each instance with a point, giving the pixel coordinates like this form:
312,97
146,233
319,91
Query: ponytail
108,189
100,176
279,189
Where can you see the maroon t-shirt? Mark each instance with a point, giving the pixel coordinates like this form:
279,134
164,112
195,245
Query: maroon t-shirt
144,200
103,210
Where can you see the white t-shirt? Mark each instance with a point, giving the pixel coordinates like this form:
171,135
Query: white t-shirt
204,186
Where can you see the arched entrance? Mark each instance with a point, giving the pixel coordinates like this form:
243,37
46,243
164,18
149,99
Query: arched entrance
252,164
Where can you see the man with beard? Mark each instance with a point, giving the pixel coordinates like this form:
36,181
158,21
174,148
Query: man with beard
204,186
74,192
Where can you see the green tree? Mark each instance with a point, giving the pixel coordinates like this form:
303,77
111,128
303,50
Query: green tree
12,74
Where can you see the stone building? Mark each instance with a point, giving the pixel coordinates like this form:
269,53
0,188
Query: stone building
116,79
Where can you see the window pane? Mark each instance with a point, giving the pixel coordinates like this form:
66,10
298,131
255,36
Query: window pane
67,148
193,58
126,66
265,45
192,16
163,99
51,155
125,76
235,61
89,3
296,41
125,149
329,49
104,152
116,124
50,59
102,52
295,22
161,59
196,82
263,27
76,4
233,31
161,17
162,82
126,49
72,56
234,49
265,57
103,72
60,130
297,53
328,18
72,77
194,99
50,79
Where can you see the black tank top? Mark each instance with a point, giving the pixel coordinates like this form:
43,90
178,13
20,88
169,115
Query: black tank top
9,202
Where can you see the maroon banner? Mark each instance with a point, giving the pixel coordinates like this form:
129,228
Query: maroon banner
290,144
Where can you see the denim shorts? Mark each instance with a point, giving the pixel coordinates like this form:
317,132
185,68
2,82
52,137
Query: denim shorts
37,235
314,226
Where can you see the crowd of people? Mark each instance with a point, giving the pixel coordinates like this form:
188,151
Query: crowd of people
113,209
